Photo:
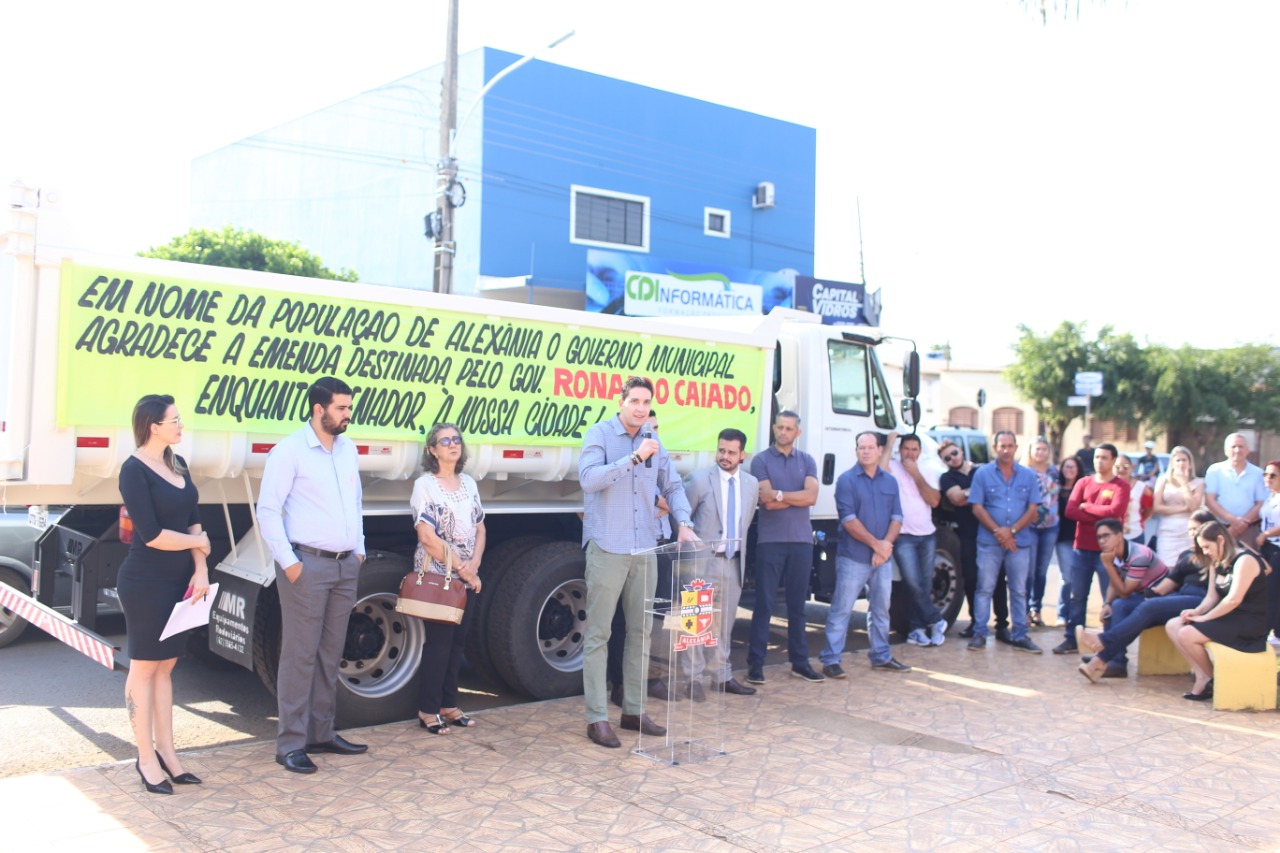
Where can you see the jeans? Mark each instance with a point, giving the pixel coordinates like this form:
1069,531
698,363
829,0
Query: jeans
790,562
915,557
1128,622
1042,543
1066,560
991,559
851,577
1084,566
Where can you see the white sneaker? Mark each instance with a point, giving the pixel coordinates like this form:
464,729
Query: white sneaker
1273,639
919,638
938,635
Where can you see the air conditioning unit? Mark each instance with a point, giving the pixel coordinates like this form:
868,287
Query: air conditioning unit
763,199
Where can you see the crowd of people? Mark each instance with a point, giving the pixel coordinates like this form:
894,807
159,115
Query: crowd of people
1203,580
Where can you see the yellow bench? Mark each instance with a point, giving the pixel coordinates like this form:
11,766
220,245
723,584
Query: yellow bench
1243,680
1157,654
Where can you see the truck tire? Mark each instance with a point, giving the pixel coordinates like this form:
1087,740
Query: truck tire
266,638
537,623
494,568
379,670
948,585
11,624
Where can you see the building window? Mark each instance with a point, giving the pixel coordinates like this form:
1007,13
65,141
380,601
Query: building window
1006,419
963,416
1107,431
608,219
715,223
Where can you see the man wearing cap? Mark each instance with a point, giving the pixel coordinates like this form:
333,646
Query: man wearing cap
1148,467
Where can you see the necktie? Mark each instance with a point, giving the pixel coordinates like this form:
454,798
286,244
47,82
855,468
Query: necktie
731,524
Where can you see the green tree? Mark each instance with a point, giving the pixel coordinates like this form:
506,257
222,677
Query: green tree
1202,395
1044,371
242,248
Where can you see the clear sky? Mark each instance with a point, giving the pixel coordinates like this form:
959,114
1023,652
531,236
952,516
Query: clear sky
1117,167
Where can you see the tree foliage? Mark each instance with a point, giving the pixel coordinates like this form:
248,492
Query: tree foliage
1193,397
242,248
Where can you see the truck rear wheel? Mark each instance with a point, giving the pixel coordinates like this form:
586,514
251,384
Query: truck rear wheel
378,673
494,570
11,624
537,623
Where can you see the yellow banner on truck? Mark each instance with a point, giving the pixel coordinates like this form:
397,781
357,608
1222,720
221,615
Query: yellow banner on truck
241,359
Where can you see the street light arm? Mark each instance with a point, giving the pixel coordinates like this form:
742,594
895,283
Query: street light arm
453,141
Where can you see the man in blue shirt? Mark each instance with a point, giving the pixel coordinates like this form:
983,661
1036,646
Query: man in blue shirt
870,510
1005,498
310,515
1234,491
622,471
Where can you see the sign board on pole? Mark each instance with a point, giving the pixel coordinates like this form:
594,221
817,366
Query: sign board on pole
1078,401
1089,383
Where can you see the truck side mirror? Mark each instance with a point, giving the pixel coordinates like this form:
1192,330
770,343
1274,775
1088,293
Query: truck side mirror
911,412
911,376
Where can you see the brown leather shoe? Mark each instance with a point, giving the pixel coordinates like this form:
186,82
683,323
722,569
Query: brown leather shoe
733,685
642,724
602,734
658,690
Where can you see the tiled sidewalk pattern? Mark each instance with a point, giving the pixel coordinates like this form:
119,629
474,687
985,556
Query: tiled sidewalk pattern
991,751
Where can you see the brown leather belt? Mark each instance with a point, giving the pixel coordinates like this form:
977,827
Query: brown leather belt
317,552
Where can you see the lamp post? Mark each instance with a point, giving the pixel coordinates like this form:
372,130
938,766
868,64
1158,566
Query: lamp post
450,194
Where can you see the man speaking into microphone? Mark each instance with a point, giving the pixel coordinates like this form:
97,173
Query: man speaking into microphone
620,483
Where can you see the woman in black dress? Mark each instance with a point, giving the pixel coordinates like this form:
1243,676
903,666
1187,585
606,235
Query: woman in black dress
1234,610
165,561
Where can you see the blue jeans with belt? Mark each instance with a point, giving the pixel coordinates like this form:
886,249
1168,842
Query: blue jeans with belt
991,559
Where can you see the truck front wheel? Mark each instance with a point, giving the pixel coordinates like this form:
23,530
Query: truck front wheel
948,585
537,621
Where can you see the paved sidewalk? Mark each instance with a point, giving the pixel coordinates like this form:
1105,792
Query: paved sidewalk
980,751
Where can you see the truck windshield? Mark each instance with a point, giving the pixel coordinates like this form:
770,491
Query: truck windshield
849,386
884,414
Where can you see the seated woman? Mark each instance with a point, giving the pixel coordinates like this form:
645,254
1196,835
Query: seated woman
1234,610
1184,587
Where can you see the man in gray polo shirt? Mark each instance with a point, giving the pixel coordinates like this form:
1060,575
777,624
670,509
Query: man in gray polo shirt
784,546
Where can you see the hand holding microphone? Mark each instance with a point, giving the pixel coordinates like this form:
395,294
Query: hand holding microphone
647,448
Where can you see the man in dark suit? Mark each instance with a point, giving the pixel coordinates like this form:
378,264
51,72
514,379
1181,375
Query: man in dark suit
723,501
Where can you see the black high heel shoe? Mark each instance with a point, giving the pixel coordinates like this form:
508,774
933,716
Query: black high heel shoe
163,788
1203,695
181,778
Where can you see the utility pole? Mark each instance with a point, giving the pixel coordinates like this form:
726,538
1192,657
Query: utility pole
447,168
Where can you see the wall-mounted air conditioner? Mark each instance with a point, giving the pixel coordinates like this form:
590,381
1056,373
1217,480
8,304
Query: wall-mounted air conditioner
763,199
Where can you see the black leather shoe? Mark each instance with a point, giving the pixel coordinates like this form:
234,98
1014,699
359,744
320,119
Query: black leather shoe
891,665
807,672
296,762
163,786
737,687
602,734
338,746
755,674
1203,695
1113,671
1003,636
658,690
967,632
695,691
181,778
641,723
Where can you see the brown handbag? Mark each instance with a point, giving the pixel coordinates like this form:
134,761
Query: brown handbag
435,598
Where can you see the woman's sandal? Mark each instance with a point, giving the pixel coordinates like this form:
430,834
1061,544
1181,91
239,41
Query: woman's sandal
439,727
462,720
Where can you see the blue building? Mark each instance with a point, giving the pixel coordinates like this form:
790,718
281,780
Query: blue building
568,176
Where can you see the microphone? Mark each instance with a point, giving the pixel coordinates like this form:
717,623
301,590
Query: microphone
648,463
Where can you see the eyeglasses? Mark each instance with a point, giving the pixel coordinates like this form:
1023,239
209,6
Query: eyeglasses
176,420
449,440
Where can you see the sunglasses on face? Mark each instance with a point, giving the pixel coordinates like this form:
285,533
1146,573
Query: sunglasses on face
449,440
952,455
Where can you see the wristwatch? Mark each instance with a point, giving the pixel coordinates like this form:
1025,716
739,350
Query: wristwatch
778,496
635,459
